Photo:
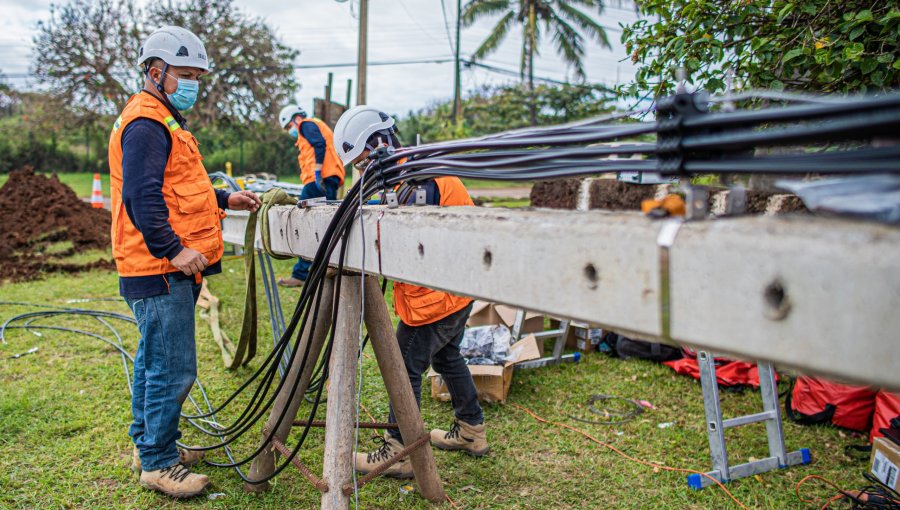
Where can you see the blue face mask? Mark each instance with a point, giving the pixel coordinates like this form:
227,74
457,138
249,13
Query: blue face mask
185,95
293,132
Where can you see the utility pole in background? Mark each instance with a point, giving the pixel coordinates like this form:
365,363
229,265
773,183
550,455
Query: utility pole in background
457,92
362,55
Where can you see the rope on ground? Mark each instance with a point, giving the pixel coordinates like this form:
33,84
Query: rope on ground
629,457
875,497
209,305
841,492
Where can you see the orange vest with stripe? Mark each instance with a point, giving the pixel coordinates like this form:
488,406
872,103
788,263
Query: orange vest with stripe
331,165
417,306
193,211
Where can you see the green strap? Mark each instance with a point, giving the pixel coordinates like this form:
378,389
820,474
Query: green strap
275,196
236,356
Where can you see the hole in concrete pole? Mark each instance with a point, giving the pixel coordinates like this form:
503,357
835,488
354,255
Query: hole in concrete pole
488,258
590,273
778,304
421,250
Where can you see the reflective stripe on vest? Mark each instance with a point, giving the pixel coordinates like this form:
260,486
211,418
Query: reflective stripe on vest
331,165
417,306
190,198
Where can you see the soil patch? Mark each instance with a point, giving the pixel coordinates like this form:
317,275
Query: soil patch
36,211
618,196
556,194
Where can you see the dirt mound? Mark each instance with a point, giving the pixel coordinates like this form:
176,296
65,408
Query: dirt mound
619,196
37,211
557,194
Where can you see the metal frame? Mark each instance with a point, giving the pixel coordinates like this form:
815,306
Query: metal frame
559,343
716,427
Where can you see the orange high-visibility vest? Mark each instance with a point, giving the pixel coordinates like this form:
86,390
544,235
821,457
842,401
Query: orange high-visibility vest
417,306
193,211
331,165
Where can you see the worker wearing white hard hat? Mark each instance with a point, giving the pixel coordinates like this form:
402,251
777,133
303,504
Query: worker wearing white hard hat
321,171
432,322
166,237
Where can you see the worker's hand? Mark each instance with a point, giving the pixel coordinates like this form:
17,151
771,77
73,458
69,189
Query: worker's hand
319,178
190,262
243,201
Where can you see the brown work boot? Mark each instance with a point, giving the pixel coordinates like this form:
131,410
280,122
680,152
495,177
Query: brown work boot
175,481
186,457
367,462
462,436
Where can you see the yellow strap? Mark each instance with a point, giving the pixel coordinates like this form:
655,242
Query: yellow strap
118,124
172,123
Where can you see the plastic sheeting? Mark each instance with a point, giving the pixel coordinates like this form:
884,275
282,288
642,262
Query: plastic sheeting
486,345
875,197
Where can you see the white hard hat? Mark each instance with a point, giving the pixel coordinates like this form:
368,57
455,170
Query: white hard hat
287,114
355,126
176,46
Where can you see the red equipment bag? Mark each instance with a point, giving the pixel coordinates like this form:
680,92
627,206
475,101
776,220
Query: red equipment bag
729,373
812,401
887,408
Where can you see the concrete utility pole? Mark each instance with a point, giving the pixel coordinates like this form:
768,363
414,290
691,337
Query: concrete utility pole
457,92
362,55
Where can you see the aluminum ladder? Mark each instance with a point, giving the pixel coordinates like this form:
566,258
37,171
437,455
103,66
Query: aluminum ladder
716,426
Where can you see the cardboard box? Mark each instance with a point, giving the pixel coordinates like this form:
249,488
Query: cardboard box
886,462
582,336
488,314
491,381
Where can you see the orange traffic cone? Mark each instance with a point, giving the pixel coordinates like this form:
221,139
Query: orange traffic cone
97,193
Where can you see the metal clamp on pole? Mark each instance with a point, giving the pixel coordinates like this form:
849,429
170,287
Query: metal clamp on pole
670,115
665,240
311,202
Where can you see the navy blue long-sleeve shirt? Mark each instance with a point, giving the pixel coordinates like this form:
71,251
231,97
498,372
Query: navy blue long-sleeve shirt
146,145
313,135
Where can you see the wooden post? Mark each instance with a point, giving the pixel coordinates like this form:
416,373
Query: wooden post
326,114
339,416
362,55
264,464
393,371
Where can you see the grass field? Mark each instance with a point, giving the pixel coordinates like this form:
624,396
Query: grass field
64,413
82,182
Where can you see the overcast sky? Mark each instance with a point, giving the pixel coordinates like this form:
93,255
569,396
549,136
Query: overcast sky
325,33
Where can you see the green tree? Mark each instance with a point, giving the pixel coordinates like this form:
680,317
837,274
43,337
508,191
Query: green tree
87,53
252,74
812,45
560,20
495,109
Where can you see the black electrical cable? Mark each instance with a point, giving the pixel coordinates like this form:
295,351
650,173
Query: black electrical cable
619,417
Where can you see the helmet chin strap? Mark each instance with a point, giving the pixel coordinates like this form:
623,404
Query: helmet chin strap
160,85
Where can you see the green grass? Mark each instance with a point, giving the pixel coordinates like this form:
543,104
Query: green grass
479,184
64,413
82,183
505,202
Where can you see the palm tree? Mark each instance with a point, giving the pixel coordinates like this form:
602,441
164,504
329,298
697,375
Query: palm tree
559,19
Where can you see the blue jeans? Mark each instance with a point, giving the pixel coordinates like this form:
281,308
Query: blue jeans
437,344
301,268
165,368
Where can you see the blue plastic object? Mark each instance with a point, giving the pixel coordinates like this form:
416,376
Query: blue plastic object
576,357
805,455
695,481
